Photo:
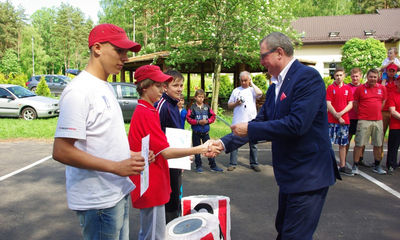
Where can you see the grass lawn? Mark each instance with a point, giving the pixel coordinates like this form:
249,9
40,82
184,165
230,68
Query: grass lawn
44,129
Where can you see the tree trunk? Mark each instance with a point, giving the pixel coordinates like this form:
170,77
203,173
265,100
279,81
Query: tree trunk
216,79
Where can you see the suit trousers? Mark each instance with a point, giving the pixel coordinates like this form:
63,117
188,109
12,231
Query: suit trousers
298,214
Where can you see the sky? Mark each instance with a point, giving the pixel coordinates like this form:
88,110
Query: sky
88,7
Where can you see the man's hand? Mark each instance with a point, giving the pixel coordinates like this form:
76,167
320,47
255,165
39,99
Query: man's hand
130,166
214,148
240,129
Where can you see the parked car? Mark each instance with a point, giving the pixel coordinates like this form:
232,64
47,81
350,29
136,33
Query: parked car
17,101
56,83
73,71
127,97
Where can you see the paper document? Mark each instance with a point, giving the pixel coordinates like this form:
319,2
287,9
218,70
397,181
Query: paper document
179,138
144,175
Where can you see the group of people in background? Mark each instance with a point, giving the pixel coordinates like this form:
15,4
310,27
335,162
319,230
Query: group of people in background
366,111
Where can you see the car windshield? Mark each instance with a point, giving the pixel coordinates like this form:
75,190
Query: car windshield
21,92
65,78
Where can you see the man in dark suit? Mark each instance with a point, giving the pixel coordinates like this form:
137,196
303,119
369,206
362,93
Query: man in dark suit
294,118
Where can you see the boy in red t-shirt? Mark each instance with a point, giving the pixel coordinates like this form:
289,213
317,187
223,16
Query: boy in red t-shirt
394,129
145,121
339,100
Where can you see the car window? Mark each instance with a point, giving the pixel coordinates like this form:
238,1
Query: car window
37,78
4,93
115,90
47,79
129,92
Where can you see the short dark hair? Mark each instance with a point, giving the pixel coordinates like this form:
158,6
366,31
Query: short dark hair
338,69
199,92
373,70
143,85
175,74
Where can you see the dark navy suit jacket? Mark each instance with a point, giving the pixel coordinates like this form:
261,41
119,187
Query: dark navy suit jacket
297,125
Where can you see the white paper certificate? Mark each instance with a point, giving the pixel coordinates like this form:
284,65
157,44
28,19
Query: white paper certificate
179,138
144,175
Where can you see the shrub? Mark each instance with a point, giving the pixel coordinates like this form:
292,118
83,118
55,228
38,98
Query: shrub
225,87
42,88
260,80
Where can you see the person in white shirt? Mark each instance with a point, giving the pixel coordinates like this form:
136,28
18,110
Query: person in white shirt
243,103
91,140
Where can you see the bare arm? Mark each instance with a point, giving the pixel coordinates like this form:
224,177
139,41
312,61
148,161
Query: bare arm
394,113
232,105
257,90
183,152
65,152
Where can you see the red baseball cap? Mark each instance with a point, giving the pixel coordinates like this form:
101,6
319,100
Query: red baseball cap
391,66
152,72
113,34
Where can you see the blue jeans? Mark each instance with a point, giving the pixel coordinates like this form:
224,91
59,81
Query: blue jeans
110,223
253,156
196,139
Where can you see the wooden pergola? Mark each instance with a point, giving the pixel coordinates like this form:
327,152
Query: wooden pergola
202,68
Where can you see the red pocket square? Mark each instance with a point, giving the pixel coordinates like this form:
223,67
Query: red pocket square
283,96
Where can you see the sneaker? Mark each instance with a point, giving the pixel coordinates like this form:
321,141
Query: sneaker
390,171
256,168
364,164
199,169
378,169
346,171
216,169
231,168
354,170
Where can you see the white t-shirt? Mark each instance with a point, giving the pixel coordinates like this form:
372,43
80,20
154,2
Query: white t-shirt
247,110
90,113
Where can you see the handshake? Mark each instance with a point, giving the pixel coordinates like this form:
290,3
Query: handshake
212,148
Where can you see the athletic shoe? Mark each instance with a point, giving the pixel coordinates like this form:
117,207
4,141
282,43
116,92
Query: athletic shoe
216,169
199,169
378,169
256,168
364,164
354,170
231,168
390,171
346,171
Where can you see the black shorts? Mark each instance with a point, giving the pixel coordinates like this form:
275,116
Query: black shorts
353,127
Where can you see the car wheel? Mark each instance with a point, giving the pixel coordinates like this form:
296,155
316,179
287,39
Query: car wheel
33,89
28,114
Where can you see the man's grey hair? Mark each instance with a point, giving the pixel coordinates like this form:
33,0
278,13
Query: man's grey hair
244,73
277,39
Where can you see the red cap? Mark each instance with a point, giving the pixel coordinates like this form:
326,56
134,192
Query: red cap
391,66
113,34
152,72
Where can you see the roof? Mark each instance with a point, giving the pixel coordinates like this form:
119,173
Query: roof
383,24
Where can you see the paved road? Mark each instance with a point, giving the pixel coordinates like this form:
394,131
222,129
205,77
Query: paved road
33,202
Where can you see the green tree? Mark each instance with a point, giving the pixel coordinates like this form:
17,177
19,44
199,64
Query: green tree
224,31
11,22
9,64
364,54
370,6
226,87
312,8
42,88
260,80
40,56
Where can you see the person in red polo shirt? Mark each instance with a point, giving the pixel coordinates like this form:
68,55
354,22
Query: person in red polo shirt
394,129
339,100
369,99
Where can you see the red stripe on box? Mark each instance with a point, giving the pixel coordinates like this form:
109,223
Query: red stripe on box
222,215
187,207
208,237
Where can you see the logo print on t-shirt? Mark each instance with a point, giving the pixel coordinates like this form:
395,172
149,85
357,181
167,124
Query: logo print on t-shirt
106,101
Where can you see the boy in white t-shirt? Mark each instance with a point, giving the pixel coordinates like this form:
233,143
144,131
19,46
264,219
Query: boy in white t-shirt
392,57
91,140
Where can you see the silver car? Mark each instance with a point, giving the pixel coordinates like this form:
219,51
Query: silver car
127,97
16,101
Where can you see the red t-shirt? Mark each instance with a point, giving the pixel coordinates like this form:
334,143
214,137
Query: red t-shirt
370,101
339,98
145,120
390,89
352,114
394,101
